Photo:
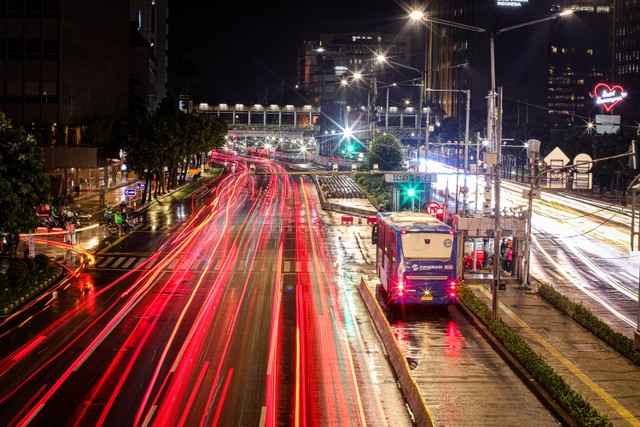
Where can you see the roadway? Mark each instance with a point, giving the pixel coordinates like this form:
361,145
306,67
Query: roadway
222,311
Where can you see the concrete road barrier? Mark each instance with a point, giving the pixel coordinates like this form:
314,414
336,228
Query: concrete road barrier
347,219
409,388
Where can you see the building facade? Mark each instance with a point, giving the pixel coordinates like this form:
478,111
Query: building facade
63,63
626,53
547,70
150,18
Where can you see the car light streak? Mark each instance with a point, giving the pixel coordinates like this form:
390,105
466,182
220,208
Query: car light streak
90,348
272,364
577,284
169,410
223,395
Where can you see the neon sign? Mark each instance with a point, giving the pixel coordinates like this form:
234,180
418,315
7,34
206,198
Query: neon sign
608,96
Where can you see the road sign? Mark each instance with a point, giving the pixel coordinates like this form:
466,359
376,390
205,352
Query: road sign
534,195
433,207
141,184
582,163
408,177
129,192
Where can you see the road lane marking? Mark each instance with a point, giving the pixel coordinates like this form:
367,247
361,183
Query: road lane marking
610,400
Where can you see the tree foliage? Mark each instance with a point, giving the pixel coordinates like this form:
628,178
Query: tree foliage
23,182
170,138
386,153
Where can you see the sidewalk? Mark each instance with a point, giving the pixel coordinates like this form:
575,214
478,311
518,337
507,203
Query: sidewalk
609,381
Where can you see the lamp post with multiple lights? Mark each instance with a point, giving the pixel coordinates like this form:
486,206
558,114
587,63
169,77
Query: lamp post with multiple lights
493,125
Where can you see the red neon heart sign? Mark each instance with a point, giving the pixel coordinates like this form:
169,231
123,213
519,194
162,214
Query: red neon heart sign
608,96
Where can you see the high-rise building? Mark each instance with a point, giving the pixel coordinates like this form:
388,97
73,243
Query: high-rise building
578,59
626,53
151,20
63,64
547,70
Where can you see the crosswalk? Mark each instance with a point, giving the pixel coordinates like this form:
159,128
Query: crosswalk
126,262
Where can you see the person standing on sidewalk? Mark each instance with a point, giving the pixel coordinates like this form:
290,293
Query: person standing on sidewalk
101,192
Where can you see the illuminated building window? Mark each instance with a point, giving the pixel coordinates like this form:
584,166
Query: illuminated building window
589,51
554,49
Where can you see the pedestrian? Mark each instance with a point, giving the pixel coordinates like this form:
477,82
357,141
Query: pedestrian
509,260
20,246
123,209
11,245
503,253
118,220
71,233
108,215
101,192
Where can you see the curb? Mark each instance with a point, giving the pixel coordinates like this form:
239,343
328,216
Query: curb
396,359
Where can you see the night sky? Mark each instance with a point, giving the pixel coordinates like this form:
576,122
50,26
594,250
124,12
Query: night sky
252,45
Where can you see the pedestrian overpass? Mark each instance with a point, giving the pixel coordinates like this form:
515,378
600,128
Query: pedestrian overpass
286,123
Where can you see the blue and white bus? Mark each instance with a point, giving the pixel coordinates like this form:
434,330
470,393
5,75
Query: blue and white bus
416,258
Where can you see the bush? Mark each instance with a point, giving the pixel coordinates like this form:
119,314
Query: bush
30,264
375,188
17,274
41,261
584,317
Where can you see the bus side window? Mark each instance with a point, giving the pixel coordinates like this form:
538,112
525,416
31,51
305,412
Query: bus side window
374,234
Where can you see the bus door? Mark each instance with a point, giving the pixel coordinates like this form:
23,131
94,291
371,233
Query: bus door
381,254
391,257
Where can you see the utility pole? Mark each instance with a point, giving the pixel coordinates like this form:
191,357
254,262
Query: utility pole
497,232
533,148
420,102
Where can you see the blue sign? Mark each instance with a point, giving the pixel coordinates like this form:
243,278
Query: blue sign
130,192
141,184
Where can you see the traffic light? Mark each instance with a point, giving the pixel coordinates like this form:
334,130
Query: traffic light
350,148
411,192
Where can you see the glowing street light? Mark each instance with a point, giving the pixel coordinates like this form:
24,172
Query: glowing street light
493,125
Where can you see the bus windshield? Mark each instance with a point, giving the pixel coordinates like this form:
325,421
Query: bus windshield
427,246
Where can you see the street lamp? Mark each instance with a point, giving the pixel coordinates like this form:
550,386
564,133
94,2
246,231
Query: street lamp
372,94
383,59
493,126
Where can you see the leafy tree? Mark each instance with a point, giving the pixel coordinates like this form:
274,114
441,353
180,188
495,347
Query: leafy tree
141,148
386,152
23,181
105,130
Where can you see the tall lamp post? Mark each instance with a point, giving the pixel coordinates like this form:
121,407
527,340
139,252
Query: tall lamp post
493,126
381,59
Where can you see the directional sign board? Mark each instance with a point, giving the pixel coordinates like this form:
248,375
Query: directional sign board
129,192
408,177
141,184
535,194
